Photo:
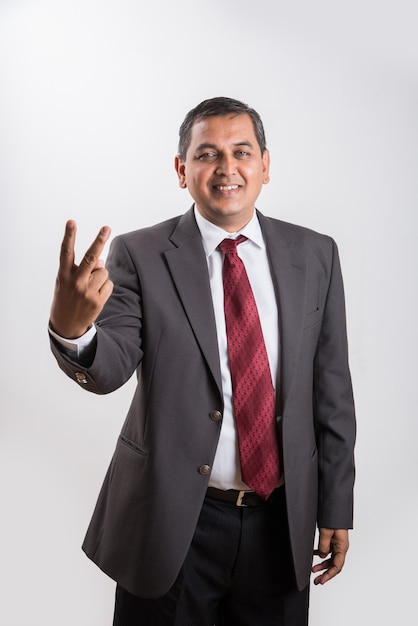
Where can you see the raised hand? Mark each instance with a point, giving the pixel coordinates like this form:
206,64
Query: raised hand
82,290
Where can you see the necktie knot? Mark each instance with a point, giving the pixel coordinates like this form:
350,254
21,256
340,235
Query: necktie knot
229,246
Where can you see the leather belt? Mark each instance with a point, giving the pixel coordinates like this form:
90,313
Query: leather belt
239,498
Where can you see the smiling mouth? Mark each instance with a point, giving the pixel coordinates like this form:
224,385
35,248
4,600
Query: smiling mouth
226,187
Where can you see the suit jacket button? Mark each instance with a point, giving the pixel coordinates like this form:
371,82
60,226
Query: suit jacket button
81,378
204,469
216,416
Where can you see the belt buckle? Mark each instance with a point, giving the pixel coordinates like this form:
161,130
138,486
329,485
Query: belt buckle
240,498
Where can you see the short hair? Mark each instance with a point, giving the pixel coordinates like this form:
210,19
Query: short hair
217,107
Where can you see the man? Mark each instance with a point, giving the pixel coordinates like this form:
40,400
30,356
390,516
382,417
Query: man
208,512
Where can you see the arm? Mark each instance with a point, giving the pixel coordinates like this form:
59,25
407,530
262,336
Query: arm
335,431
82,297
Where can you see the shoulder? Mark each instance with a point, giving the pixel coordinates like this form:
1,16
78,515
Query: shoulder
146,243
295,237
156,232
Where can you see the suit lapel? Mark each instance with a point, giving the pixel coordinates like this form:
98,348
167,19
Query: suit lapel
188,267
288,266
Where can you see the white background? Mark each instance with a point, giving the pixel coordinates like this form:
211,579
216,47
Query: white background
92,93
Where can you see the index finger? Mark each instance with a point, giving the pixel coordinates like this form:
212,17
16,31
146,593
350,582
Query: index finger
89,260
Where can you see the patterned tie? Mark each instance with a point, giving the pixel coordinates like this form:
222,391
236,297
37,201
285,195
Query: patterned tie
252,389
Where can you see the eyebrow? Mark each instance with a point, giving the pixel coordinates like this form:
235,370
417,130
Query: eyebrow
204,146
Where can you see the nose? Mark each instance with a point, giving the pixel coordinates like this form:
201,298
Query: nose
226,166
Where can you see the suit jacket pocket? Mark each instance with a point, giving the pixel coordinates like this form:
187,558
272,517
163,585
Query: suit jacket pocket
312,318
131,444
128,454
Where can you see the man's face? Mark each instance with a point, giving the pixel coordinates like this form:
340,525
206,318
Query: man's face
224,169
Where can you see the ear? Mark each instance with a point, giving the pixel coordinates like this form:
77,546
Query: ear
266,166
180,168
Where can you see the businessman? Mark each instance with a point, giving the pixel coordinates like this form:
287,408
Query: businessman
239,440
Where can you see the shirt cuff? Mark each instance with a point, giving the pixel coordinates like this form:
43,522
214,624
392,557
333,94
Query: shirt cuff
75,347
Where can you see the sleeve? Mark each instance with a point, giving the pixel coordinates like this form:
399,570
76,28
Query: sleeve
334,412
118,350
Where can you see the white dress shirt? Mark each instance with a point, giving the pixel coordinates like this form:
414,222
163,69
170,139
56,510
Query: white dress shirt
226,470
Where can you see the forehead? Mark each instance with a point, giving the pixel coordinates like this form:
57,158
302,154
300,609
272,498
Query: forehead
223,130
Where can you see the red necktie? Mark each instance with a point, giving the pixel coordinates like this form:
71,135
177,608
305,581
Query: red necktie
252,389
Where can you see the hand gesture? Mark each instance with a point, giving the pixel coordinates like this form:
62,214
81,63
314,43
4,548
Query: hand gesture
82,290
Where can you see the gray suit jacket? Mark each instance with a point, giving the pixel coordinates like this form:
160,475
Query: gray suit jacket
160,322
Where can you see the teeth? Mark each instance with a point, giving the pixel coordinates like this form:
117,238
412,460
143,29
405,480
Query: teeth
227,187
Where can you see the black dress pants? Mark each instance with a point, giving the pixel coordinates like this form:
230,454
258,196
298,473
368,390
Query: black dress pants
238,572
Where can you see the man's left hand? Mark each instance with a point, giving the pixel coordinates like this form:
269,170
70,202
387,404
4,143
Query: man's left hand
333,542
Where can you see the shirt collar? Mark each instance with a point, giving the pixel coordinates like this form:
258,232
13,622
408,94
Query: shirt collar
212,235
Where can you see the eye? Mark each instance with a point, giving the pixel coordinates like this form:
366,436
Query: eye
207,156
242,154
